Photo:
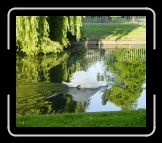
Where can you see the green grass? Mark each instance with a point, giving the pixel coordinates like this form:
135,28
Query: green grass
100,119
115,31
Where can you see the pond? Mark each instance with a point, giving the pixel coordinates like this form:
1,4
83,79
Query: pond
39,88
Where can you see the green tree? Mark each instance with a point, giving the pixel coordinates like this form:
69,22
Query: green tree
45,34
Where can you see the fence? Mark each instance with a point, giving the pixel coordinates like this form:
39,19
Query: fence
93,55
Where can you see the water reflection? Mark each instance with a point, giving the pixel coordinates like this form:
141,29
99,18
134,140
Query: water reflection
41,77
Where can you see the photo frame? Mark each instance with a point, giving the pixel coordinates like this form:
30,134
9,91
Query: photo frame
88,131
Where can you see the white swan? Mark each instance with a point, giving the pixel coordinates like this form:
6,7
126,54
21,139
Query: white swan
81,79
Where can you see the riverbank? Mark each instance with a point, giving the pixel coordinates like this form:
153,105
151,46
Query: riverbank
135,118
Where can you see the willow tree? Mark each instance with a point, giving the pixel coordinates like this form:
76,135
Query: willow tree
45,34
26,34
60,25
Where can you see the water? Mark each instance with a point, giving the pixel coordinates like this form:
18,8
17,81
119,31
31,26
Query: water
39,89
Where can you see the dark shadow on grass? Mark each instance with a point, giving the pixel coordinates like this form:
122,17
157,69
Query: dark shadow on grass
124,29
116,29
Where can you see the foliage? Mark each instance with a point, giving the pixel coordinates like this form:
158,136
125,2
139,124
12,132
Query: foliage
58,29
26,34
45,34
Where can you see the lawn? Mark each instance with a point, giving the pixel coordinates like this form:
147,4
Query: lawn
115,31
135,118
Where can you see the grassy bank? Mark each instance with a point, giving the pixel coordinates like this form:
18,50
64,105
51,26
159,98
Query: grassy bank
100,119
115,31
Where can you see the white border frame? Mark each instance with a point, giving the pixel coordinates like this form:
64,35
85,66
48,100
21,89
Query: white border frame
81,135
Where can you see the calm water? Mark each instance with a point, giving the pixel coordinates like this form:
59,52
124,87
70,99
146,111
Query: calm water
39,89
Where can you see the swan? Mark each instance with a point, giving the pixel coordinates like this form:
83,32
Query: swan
82,79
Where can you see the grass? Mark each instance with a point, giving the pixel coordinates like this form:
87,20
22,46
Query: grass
115,31
135,118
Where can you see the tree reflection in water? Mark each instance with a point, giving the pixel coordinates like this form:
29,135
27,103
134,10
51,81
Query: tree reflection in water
40,77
